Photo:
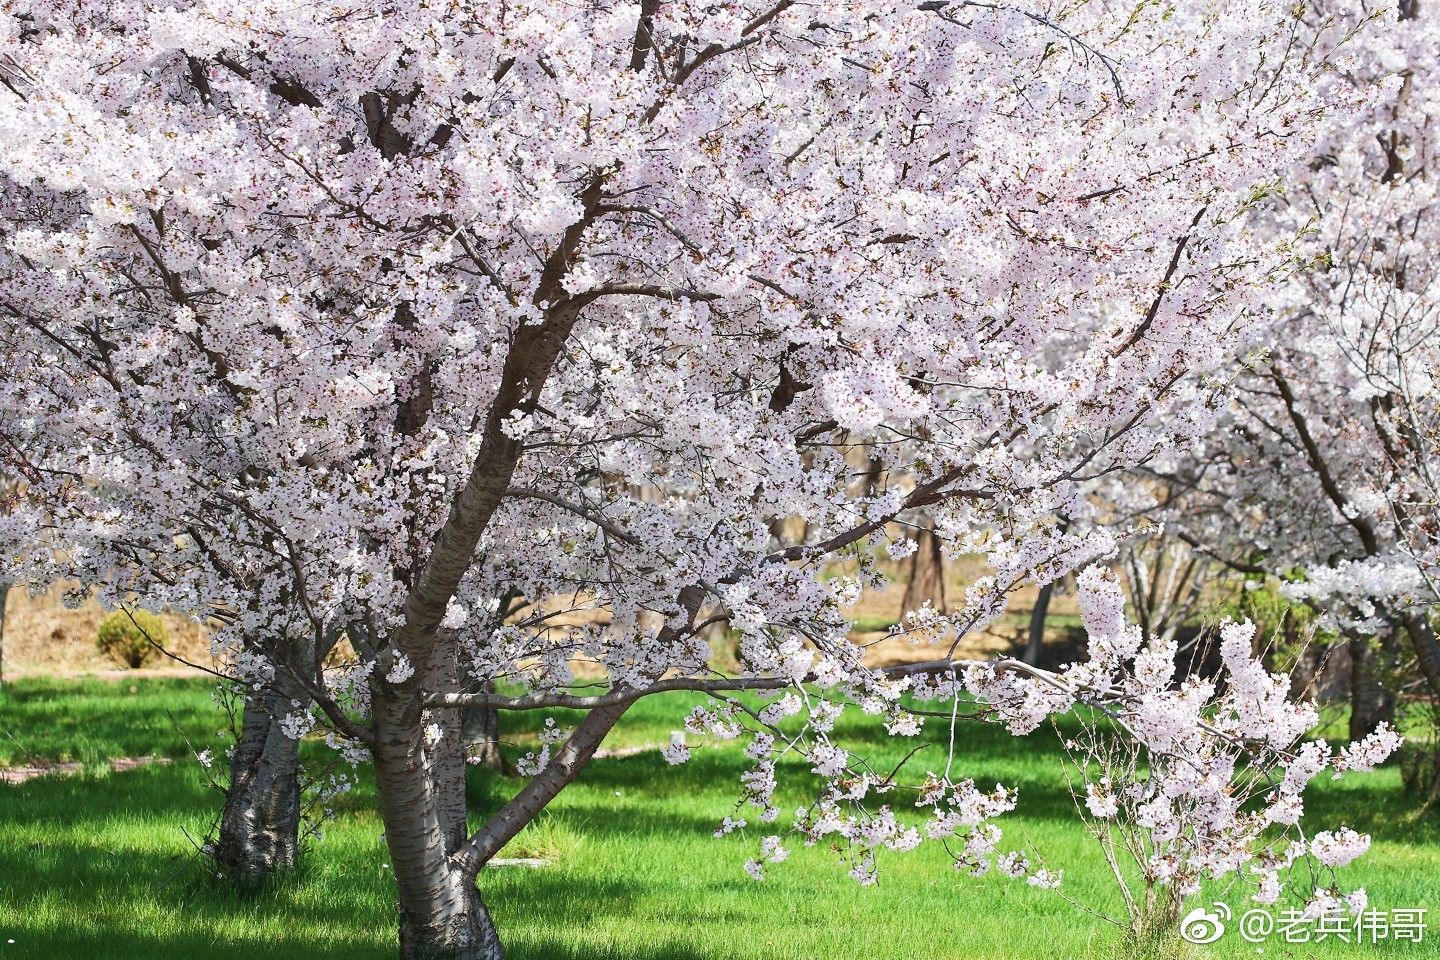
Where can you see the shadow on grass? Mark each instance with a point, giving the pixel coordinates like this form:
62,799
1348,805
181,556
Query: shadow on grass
98,796
100,867
84,864
107,944
50,719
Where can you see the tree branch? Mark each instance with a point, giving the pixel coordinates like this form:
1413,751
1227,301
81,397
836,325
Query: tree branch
575,508
1362,526
644,34
1165,286
627,696
640,290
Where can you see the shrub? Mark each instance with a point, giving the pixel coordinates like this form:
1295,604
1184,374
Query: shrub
125,636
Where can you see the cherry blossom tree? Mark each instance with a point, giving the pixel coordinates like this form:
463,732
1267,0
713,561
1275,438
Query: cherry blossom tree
1323,475
259,831
1189,780
359,329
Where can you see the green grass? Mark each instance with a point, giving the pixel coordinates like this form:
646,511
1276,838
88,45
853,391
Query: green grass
100,866
44,720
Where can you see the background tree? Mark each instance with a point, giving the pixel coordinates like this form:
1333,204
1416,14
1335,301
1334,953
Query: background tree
260,829
927,572
1322,474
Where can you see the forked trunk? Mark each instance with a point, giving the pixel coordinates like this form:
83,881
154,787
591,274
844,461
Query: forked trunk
442,916
260,822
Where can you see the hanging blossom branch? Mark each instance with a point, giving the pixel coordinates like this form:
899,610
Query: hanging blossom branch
1210,758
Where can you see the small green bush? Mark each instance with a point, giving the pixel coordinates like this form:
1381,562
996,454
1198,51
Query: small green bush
123,637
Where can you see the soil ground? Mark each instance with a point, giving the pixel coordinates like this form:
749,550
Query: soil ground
44,637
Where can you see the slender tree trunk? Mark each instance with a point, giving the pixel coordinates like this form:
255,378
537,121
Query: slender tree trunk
1427,656
4,602
1035,645
927,573
1370,702
480,727
1035,641
260,822
445,750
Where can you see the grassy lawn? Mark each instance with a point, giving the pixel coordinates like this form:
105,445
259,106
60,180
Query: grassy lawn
99,865
44,720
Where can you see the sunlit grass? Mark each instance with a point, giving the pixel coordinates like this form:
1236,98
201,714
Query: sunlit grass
101,866
44,720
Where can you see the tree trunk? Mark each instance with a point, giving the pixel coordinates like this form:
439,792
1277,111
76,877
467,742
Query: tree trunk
1035,645
1370,702
260,822
927,573
448,766
1427,649
441,913
4,601
480,731
442,916
446,753
480,727
1427,657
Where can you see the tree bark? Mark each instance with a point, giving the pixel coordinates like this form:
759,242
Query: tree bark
442,916
927,573
1035,644
577,751
1370,702
4,602
260,822
480,731
446,752
1427,649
